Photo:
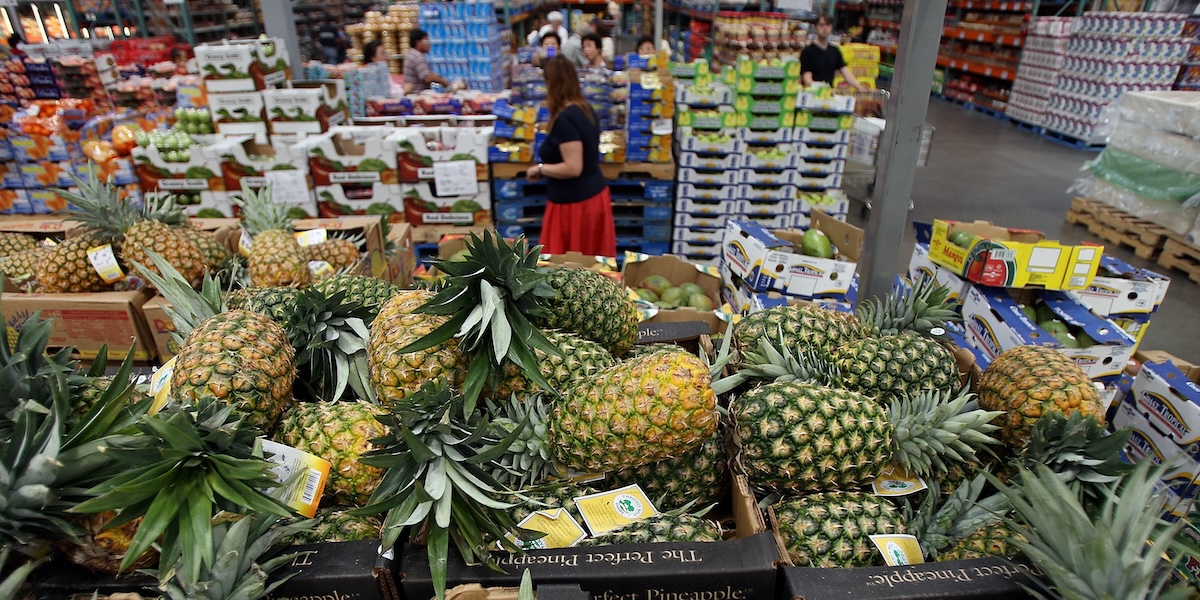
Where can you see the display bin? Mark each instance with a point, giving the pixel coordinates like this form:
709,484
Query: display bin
698,235
767,69
820,152
818,182
821,167
711,96
730,141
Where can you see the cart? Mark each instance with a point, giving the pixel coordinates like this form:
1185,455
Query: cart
862,164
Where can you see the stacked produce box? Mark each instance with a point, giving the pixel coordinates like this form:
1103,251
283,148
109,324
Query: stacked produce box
649,112
443,174
466,44
863,60
1043,57
1189,75
1109,54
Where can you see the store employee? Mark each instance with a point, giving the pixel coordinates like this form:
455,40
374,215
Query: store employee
417,75
820,60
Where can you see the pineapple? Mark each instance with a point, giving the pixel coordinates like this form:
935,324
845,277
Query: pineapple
592,306
1029,382
340,253
809,327
12,243
800,437
896,360
65,268
340,433
997,539
700,475
242,358
949,527
577,358
278,303
833,529
276,258
22,265
11,335
396,374
370,292
338,525
660,529
133,231
102,549
214,252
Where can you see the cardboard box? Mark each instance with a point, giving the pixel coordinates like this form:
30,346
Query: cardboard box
240,113
200,173
743,567
368,199
306,107
765,260
413,151
204,203
1121,288
980,579
920,267
995,323
350,156
160,327
88,322
678,271
1148,442
1188,368
242,65
1006,257
423,205
244,160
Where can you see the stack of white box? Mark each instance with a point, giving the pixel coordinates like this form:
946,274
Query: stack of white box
1108,54
1043,57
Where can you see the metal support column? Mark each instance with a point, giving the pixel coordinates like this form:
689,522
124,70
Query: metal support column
280,20
658,24
143,31
916,57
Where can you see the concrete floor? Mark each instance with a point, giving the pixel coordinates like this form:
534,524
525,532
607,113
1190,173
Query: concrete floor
985,168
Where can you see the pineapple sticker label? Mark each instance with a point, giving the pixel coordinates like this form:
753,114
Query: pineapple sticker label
105,263
899,550
561,529
312,237
244,243
606,511
160,385
897,482
306,472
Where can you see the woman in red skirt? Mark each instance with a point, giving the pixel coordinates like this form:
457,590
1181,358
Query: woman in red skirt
579,214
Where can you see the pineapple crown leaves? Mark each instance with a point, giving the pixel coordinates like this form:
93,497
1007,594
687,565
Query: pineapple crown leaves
330,336
530,459
188,307
11,585
189,460
921,307
492,297
439,477
247,550
26,370
774,361
934,426
260,212
941,524
99,207
164,210
1078,448
1115,550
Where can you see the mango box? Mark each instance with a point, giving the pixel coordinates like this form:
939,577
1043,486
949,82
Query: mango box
424,206
239,113
244,160
1006,257
920,267
242,65
995,322
676,270
765,259
519,113
746,301
306,107
199,173
417,149
87,322
1188,368
1121,288
46,174
35,147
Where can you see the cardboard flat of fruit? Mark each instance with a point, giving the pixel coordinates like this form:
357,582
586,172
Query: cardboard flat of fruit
672,282
766,260
88,322
1007,257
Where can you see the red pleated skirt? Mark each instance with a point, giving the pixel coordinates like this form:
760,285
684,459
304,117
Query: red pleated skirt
585,227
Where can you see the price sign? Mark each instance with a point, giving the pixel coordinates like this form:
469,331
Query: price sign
455,178
291,184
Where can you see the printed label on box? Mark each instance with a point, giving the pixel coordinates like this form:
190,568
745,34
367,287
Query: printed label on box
354,177
183,184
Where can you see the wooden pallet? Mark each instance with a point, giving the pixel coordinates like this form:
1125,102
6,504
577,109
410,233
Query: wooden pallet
612,171
1178,254
1116,226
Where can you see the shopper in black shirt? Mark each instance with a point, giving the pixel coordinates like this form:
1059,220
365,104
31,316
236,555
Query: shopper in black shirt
328,35
820,60
579,213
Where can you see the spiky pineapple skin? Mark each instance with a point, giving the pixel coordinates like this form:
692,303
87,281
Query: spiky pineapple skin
66,268
339,432
636,412
396,375
277,259
594,307
799,437
102,550
359,289
213,251
701,475
242,358
11,336
22,265
339,253
167,242
993,540
335,524
658,530
278,303
896,366
1027,382
12,243
578,358
833,529
809,326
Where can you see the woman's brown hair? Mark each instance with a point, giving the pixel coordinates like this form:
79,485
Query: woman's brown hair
562,88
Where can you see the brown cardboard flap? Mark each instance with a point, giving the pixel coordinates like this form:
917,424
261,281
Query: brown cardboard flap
847,238
986,229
